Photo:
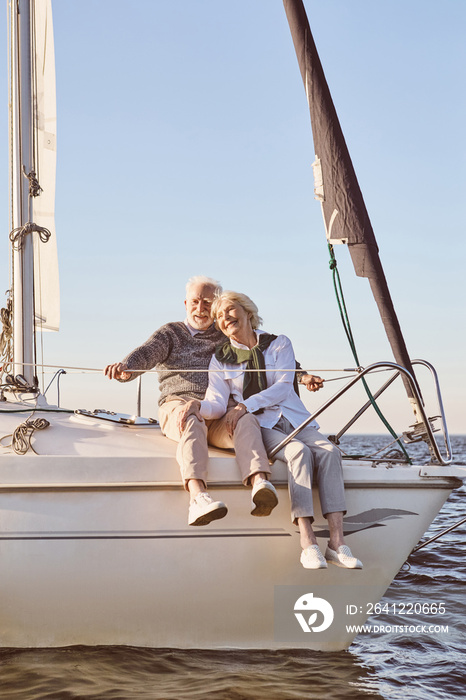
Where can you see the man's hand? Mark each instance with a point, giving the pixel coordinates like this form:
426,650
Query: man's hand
191,408
232,417
311,382
117,371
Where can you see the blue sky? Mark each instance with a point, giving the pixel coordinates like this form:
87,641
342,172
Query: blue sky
184,147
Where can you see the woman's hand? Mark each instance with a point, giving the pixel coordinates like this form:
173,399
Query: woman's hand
117,371
311,382
191,408
232,417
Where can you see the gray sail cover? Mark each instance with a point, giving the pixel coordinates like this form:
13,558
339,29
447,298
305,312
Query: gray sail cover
337,187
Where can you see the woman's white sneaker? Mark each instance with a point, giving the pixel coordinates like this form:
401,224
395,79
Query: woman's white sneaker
343,557
312,558
203,509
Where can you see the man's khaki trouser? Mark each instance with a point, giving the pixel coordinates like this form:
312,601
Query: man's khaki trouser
192,452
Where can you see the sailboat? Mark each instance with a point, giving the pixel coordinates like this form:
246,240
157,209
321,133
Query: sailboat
93,541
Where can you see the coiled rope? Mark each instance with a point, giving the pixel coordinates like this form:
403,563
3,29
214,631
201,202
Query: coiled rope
22,435
6,337
34,188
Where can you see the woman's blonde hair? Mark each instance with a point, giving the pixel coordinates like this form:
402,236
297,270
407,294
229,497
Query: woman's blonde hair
241,299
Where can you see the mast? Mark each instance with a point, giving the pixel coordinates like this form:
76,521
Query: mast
35,292
345,215
22,158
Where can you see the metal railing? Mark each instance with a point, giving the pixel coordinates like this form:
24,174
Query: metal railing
424,423
446,436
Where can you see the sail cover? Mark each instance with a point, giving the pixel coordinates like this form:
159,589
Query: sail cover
46,288
345,215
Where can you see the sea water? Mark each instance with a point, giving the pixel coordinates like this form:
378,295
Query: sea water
405,651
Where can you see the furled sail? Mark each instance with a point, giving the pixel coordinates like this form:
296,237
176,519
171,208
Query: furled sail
345,215
46,288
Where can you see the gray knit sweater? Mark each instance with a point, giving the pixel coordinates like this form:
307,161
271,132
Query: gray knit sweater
172,348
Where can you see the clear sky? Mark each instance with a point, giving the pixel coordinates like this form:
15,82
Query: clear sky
184,148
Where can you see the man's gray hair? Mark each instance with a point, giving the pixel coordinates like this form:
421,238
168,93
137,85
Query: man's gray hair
243,300
201,279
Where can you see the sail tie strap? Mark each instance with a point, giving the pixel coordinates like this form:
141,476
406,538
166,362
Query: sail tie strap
18,235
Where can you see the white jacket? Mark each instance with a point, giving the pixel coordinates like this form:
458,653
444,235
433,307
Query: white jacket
278,399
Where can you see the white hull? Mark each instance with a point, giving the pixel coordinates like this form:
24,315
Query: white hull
95,546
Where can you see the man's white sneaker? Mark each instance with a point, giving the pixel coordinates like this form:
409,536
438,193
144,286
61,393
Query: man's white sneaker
203,509
264,498
312,558
343,557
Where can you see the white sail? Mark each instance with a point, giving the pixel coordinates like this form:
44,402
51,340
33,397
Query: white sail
46,288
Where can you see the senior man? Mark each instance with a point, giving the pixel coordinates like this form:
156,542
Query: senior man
174,350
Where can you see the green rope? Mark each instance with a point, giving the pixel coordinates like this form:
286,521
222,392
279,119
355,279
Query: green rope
349,334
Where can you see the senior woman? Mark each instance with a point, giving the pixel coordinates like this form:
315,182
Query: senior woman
272,397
